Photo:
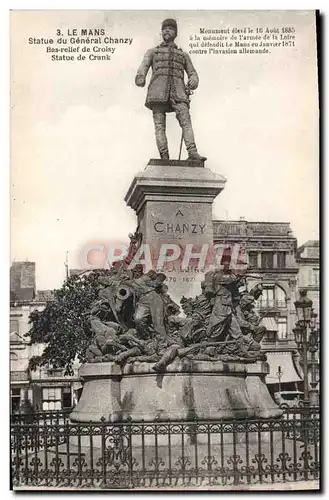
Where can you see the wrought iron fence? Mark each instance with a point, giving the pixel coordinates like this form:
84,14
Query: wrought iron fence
271,303
166,454
43,417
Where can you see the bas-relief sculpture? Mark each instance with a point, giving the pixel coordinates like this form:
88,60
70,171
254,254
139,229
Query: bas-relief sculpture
134,319
167,91
153,359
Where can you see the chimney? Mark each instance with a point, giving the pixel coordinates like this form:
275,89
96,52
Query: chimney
22,281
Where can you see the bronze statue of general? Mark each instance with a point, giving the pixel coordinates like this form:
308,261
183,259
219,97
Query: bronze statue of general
167,91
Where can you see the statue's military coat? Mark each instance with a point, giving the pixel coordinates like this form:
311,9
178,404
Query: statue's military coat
168,64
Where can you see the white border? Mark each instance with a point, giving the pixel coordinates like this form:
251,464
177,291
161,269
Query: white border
5,6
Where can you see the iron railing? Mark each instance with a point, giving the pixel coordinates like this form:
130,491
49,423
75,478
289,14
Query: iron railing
44,417
271,303
166,454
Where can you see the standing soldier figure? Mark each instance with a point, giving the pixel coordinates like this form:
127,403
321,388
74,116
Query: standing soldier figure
167,91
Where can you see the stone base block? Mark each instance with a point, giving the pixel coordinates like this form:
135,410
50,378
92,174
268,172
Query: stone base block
184,396
100,395
188,390
259,396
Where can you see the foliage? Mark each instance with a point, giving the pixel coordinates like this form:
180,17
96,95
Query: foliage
64,326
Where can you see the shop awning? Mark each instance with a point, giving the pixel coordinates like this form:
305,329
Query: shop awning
270,324
283,359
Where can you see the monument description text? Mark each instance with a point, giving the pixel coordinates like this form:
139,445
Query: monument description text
240,41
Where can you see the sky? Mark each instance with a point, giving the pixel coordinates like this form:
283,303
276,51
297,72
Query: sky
80,130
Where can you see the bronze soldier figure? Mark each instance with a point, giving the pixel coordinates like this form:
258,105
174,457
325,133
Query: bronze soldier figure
167,91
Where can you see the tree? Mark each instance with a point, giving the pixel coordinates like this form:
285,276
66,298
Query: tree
63,326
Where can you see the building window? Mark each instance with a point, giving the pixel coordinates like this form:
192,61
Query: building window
279,297
267,260
315,277
281,259
282,328
253,262
14,326
52,398
272,296
14,362
267,297
67,398
15,400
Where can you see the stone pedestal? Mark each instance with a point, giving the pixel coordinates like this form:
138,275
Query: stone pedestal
173,202
100,396
187,390
260,398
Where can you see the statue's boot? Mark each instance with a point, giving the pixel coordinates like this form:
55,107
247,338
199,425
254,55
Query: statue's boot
196,157
167,358
159,367
193,154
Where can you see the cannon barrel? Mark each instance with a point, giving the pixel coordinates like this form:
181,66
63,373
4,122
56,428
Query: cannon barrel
123,292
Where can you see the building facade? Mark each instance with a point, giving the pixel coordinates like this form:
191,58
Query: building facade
46,388
308,278
269,250
21,351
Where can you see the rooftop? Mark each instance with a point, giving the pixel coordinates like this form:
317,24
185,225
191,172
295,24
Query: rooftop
309,250
246,228
310,243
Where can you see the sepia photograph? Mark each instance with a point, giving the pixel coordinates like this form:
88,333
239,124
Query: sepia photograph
164,250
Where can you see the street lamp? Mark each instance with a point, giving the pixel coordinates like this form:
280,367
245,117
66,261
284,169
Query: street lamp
304,314
298,333
313,321
314,345
279,374
304,307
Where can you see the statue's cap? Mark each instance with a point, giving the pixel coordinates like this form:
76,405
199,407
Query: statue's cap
169,22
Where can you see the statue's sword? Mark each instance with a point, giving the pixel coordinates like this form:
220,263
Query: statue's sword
189,92
180,147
